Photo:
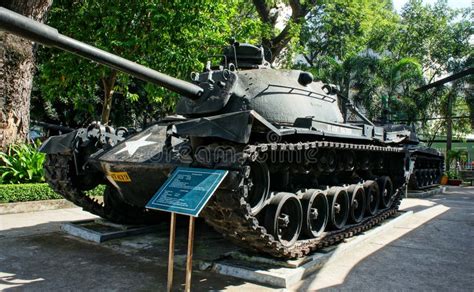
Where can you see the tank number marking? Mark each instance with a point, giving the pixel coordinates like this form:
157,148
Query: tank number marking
120,176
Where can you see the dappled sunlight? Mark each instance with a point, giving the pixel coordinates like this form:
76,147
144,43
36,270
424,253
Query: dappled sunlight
415,202
11,281
331,275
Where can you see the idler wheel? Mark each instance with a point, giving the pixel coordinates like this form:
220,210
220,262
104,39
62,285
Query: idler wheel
284,218
358,203
386,191
339,207
372,195
315,212
259,186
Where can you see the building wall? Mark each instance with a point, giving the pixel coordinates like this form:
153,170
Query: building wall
468,146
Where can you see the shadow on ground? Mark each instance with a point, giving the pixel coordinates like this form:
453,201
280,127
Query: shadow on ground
431,251
55,261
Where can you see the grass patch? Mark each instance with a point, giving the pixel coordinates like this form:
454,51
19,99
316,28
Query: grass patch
10,193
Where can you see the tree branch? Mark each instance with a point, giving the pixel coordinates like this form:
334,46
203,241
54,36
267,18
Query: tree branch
262,10
297,9
310,61
280,41
431,140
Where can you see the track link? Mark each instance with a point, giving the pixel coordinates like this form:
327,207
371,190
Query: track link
427,171
61,178
230,214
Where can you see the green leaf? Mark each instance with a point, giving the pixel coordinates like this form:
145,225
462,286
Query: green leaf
22,163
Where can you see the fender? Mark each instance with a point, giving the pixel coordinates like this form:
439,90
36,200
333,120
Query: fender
59,144
235,127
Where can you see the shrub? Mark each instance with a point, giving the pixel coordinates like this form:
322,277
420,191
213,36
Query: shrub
35,192
26,192
22,163
452,174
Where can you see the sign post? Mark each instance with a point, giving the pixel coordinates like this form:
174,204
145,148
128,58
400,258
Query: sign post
185,192
171,252
189,258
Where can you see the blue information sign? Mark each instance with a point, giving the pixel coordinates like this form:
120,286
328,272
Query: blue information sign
187,190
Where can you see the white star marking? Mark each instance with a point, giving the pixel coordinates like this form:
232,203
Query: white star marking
132,147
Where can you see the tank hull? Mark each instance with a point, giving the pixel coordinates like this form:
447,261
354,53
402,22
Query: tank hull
146,159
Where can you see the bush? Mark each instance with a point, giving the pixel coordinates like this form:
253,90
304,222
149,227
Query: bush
22,163
35,192
452,174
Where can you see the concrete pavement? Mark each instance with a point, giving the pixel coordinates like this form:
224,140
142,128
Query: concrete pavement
432,250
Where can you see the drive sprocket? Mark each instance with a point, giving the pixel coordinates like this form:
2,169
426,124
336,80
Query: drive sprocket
60,175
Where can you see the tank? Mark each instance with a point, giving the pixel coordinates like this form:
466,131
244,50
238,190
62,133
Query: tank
301,175
427,168
425,164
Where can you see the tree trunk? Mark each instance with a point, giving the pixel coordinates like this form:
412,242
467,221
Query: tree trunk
17,64
277,43
470,104
449,129
108,83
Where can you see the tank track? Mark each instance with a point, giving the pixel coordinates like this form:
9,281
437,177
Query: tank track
58,174
230,214
427,171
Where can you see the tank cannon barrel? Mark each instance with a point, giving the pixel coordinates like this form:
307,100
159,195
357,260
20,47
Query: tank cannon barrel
32,30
